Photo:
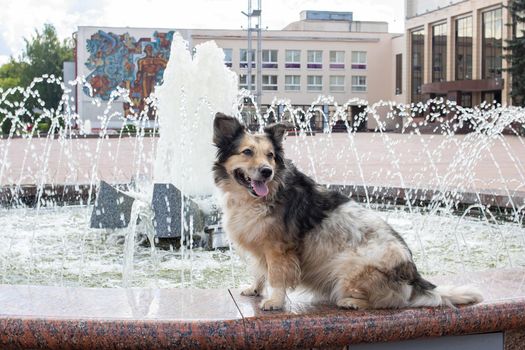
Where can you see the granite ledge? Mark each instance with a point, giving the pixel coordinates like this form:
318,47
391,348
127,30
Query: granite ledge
335,328
41,333
86,318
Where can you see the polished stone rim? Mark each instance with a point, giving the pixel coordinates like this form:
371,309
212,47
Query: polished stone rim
59,317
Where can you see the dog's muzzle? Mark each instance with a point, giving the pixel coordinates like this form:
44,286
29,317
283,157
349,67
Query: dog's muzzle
257,187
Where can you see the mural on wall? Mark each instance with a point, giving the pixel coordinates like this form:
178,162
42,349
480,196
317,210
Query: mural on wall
119,60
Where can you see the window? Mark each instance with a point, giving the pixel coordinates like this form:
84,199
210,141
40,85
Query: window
417,39
228,57
292,82
518,28
243,82
292,59
314,59
269,82
463,57
465,99
315,83
439,52
399,74
243,61
269,58
492,97
337,83
491,44
358,59
358,83
337,59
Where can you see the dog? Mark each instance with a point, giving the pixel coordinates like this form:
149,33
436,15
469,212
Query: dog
297,233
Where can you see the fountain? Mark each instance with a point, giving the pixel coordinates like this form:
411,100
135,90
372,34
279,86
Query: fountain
184,156
471,183
456,195
170,194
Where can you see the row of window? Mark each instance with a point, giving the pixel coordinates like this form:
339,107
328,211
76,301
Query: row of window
314,82
491,50
314,59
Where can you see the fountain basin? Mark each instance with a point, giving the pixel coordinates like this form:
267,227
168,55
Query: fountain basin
148,317
57,317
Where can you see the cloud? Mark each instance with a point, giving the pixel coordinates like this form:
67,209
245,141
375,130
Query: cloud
4,51
17,22
170,14
4,59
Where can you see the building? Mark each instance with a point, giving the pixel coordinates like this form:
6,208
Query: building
455,49
324,53
450,48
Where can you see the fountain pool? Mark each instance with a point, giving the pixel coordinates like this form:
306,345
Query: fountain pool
428,177
56,247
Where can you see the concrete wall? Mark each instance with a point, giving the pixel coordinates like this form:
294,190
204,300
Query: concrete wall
377,46
326,15
341,26
106,63
380,82
418,7
399,47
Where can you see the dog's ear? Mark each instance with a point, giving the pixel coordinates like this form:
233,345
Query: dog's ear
276,131
225,128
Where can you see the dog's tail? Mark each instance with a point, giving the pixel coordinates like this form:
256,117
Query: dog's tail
447,296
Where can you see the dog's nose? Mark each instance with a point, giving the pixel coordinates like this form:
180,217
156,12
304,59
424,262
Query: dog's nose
266,172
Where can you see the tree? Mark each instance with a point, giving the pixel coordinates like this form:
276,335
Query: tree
45,54
516,52
10,74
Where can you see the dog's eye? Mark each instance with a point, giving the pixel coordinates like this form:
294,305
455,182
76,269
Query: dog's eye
247,152
270,155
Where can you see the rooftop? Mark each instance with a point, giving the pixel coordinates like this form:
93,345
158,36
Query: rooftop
335,21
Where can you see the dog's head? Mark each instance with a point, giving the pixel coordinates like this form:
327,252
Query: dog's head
247,162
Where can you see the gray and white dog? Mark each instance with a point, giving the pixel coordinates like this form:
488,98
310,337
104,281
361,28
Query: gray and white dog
298,233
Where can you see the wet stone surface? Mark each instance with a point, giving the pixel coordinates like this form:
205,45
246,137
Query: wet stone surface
31,316
112,208
167,203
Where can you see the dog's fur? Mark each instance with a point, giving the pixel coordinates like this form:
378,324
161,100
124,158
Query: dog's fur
298,233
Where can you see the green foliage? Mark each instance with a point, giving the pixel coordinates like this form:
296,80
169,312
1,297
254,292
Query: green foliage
5,125
10,74
129,128
9,78
516,52
44,54
43,126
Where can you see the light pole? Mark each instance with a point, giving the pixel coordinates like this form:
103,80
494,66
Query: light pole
254,13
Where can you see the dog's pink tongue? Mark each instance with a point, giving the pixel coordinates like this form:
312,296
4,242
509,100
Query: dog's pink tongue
260,188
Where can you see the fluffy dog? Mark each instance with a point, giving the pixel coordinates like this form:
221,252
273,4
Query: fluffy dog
298,233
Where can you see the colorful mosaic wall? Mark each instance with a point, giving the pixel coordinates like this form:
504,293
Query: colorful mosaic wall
119,60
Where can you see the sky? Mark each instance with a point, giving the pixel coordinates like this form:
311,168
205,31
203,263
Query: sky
20,18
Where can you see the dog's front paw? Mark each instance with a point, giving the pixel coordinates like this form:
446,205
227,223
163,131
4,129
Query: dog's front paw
352,303
251,292
271,304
